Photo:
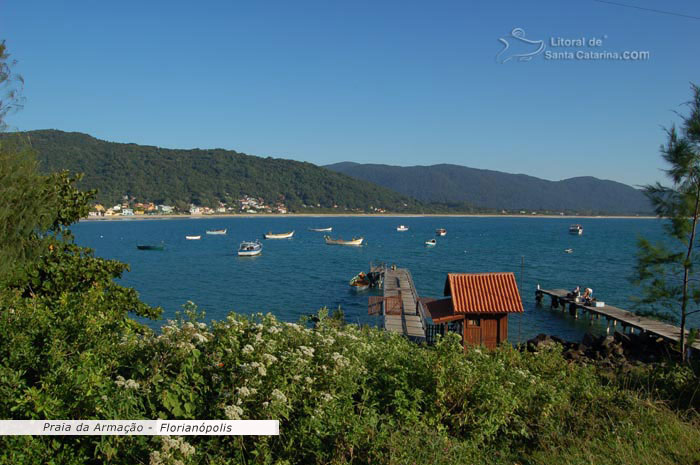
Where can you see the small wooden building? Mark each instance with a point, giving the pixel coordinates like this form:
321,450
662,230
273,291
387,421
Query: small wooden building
478,306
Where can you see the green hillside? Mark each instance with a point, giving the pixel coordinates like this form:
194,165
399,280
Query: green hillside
204,177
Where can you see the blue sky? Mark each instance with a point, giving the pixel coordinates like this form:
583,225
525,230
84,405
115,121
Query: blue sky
401,83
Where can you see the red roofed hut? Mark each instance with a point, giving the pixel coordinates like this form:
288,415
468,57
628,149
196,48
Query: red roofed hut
478,306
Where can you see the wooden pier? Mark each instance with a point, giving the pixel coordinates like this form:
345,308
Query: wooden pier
613,316
399,306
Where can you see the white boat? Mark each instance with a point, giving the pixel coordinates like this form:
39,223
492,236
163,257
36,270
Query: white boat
576,229
286,235
569,250
193,238
216,232
430,243
321,229
354,241
402,228
441,231
249,249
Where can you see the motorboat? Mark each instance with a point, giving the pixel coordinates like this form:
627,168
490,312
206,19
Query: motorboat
354,241
569,250
193,238
249,249
430,243
402,228
576,229
360,282
321,229
285,235
441,232
216,232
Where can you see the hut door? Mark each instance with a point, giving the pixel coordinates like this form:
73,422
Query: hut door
489,328
472,332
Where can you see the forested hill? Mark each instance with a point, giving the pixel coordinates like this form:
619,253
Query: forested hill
486,189
203,177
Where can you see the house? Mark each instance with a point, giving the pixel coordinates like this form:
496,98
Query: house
127,212
477,307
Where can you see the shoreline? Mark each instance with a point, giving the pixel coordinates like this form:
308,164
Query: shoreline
358,215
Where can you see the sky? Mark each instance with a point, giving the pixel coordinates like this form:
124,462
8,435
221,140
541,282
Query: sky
394,82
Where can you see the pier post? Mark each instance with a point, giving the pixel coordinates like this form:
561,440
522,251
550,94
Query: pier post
555,301
573,310
607,326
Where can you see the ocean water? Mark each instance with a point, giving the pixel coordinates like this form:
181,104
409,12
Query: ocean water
298,276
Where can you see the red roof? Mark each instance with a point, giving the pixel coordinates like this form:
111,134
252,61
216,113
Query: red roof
440,310
483,293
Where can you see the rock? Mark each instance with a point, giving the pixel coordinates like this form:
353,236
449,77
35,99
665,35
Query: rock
607,341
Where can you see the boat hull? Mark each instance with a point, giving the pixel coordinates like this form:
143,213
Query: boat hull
321,229
150,247
249,249
217,232
288,235
193,238
354,242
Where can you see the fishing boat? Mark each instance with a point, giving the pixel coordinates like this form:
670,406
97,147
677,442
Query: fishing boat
321,229
356,241
249,249
216,232
441,231
360,282
569,250
193,238
402,228
430,243
286,235
160,246
576,229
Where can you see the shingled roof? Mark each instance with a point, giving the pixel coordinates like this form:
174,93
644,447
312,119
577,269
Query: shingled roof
483,293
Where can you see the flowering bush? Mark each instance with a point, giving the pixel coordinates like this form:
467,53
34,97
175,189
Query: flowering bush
343,394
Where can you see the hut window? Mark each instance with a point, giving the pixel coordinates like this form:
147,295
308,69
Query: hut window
473,322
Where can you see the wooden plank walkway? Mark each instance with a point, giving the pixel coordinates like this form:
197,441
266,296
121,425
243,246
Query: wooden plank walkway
614,315
399,287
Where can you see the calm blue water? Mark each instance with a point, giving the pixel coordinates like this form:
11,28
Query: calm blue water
298,276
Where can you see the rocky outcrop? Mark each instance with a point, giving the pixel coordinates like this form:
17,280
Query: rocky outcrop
609,351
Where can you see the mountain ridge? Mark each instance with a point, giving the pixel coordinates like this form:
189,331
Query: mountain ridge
490,189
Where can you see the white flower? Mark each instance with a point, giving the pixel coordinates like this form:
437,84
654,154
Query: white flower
200,338
273,330
233,412
307,351
326,397
188,325
279,396
248,349
308,380
262,371
270,358
202,325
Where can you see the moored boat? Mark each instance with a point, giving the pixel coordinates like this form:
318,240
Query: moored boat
569,250
576,229
285,235
216,232
193,238
354,241
321,229
402,228
249,249
160,246
360,282
441,231
430,243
